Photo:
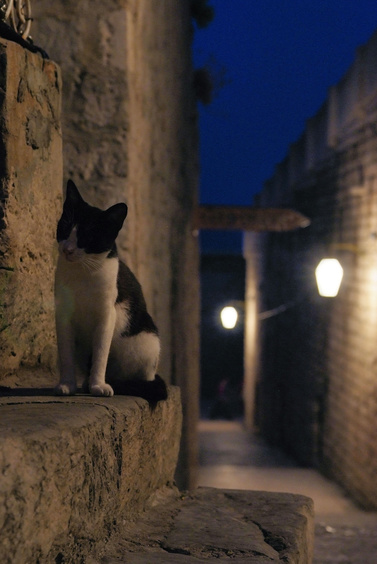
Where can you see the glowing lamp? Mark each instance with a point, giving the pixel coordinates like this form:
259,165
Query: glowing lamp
329,274
229,317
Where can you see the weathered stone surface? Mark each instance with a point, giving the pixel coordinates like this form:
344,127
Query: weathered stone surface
30,188
130,134
129,122
74,469
226,525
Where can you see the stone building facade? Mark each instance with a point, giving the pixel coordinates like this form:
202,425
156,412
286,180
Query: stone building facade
311,366
129,130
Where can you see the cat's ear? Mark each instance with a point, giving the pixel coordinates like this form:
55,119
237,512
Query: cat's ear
116,215
73,196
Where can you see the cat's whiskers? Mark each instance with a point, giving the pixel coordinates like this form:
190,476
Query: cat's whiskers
90,264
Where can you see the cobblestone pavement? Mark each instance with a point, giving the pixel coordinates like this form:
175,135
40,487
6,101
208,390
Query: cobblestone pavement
231,458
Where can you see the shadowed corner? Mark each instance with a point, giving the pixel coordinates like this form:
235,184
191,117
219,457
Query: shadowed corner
6,391
152,392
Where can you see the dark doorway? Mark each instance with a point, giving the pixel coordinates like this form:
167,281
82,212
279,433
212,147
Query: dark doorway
222,350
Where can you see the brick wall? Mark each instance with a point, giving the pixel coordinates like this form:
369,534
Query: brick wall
316,386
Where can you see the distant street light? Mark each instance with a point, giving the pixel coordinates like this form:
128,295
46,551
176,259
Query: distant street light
229,317
329,274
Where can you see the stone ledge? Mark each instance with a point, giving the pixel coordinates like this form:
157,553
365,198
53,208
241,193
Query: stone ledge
245,527
72,468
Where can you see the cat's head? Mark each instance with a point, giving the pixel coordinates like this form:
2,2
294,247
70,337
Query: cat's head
85,230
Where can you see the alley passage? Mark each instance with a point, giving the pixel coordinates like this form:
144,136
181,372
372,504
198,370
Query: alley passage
230,458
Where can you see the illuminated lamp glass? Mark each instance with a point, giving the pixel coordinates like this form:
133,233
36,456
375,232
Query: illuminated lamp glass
329,274
229,317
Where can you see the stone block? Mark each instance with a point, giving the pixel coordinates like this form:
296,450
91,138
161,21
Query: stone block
76,469
30,201
245,527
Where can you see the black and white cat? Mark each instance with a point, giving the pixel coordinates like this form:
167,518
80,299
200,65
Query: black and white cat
104,331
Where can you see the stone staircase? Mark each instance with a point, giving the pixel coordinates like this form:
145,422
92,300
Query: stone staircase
91,480
72,469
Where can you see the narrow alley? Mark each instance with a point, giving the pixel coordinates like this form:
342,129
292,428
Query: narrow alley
231,458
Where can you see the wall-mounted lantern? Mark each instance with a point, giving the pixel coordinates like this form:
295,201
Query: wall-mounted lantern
229,317
329,275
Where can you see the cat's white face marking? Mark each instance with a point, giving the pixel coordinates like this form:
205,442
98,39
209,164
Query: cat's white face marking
69,249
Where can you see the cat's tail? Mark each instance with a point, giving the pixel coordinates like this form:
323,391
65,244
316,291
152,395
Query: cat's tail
150,390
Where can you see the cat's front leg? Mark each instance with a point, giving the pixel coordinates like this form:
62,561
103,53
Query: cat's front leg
101,348
65,388
67,383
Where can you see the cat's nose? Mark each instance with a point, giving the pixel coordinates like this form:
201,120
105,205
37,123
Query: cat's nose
68,249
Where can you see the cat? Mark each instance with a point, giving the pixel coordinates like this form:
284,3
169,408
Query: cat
104,331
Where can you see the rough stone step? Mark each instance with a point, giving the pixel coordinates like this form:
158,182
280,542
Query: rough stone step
241,527
90,480
73,468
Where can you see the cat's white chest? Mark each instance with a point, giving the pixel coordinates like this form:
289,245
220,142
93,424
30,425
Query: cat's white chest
85,296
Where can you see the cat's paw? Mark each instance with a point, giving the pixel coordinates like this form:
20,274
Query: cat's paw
65,389
101,390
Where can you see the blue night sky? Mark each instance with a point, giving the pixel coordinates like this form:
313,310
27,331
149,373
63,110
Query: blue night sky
280,58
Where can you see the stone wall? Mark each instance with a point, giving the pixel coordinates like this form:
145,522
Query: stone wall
130,134
30,201
316,386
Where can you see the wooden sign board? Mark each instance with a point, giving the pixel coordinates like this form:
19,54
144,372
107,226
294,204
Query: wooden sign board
248,218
